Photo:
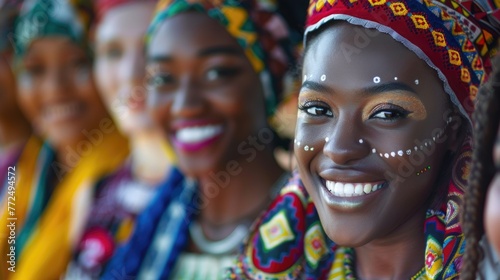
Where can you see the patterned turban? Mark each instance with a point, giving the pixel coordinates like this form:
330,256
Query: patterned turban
41,18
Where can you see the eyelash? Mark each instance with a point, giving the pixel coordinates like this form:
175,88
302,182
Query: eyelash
396,111
317,106
319,109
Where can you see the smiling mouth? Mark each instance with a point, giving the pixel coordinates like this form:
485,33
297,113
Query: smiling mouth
198,134
341,189
62,112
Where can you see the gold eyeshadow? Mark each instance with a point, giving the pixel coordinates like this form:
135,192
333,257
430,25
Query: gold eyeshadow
408,102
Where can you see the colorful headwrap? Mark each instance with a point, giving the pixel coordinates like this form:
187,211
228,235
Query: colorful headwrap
258,28
102,7
41,18
9,9
456,39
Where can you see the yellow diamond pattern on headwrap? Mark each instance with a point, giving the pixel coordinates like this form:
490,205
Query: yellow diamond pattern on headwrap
276,231
398,9
439,38
377,2
419,21
465,75
236,18
473,92
454,57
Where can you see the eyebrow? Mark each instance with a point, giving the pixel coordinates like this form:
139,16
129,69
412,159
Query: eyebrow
387,87
215,50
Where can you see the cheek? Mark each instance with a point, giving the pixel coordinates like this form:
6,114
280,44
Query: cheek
492,214
28,102
308,143
106,80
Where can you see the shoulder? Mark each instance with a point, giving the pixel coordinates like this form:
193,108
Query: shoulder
287,241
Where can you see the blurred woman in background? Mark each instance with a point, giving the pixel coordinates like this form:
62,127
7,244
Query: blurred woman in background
121,79
216,74
14,128
76,142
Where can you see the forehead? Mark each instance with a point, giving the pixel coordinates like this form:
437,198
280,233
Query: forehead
346,51
117,22
187,33
53,46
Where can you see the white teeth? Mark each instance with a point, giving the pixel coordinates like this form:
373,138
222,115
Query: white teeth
351,189
61,111
358,189
197,133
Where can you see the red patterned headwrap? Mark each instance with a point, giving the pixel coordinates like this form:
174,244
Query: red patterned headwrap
102,7
456,39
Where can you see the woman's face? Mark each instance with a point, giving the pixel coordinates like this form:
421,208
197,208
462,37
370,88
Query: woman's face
120,64
57,92
204,93
365,104
492,211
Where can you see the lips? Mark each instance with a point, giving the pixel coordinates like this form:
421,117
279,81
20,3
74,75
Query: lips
196,137
341,189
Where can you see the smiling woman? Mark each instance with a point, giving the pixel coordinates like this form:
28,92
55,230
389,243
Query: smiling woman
216,73
75,143
382,145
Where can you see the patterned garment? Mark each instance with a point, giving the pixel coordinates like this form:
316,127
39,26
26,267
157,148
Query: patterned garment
9,9
41,18
288,242
258,28
118,200
456,39
102,7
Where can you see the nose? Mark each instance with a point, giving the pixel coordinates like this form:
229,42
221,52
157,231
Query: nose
56,83
188,101
344,147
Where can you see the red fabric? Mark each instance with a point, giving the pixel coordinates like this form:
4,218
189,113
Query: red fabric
102,7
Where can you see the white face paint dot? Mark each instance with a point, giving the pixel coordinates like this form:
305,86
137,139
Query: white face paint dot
360,141
381,155
374,151
395,78
386,155
416,148
416,82
298,143
376,79
306,148
305,78
393,154
400,153
312,149
408,152
327,139
323,77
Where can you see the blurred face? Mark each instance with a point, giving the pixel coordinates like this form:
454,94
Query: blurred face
56,91
120,65
384,95
7,86
204,92
492,210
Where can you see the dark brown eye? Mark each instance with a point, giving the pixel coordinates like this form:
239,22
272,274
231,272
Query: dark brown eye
317,110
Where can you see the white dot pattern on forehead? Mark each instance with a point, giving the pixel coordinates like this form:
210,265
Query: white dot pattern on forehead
323,77
360,141
417,82
376,79
327,139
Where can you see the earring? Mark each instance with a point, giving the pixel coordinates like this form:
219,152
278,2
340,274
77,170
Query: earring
425,169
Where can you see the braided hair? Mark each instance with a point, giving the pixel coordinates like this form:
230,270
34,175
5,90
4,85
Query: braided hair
486,121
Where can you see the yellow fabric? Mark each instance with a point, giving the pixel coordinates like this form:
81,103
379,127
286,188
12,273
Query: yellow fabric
48,250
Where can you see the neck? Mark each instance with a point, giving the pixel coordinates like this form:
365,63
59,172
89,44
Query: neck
398,256
149,162
239,194
13,132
